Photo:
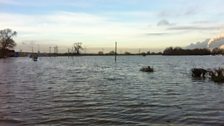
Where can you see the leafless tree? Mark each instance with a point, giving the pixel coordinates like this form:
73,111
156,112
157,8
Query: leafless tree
6,40
78,47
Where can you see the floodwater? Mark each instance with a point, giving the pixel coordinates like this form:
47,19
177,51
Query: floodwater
56,91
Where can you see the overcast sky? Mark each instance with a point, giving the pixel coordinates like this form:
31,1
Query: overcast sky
99,23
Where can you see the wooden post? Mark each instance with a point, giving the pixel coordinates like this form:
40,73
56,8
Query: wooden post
115,52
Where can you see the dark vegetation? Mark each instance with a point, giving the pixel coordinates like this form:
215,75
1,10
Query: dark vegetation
78,47
129,53
180,51
167,52
198,72
100,53
7,43
216,75
147,69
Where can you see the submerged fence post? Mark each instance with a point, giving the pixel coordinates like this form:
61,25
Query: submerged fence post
115,52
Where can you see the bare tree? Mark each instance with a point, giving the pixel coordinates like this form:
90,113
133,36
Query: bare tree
6,40
78,47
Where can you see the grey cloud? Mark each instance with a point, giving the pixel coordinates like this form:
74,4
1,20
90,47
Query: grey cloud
178,13
194,28
202,22
203,44
157,34
164,23
164,33
191,11
166,14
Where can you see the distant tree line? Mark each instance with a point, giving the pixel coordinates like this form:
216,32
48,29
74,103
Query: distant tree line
198,51
129,53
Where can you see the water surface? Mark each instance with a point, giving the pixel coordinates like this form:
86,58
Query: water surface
96,91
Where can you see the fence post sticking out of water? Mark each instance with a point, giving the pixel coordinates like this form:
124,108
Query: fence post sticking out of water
115,52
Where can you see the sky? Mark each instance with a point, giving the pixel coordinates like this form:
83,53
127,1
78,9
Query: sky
134,24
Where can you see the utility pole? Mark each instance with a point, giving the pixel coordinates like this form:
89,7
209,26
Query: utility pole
56,50
49,51
32,43
38,49
68,52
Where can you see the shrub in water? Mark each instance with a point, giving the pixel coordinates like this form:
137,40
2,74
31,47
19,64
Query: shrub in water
147,69
198,72
217,75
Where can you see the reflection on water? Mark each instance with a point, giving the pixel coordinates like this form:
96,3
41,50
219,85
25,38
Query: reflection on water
95,91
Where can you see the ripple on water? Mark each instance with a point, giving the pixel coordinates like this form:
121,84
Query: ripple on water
5,121
95,91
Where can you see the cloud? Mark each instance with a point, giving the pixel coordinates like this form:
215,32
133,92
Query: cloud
157,34
193,28
168,14
203,22
191,11
215,39
164,23
179,12
213,42
219,44
203,44
168,33
68,27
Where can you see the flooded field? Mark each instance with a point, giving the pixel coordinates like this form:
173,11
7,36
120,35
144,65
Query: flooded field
96,91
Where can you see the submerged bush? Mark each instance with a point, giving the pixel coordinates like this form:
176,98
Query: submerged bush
198,72
217,75
147,69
